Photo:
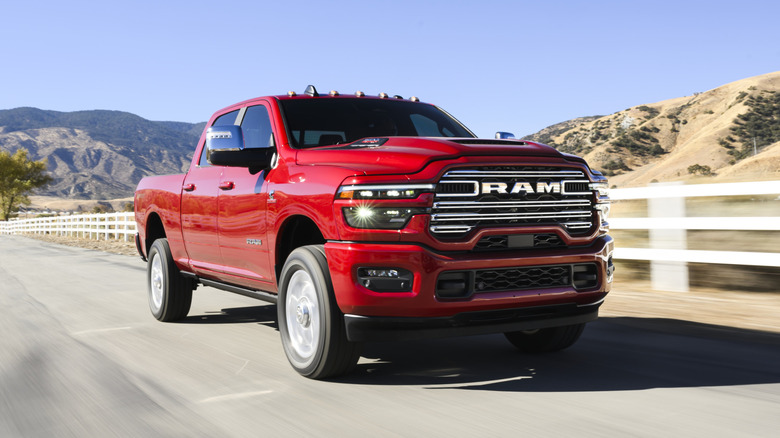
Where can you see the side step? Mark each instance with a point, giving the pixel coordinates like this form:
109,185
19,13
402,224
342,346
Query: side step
256,294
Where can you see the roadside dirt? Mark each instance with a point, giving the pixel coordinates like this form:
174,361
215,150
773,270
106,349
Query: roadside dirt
746,310
112,246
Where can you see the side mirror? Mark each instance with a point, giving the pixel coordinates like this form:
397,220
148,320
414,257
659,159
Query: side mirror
225,147
504,135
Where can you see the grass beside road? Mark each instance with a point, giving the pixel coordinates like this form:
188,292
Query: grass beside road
746,310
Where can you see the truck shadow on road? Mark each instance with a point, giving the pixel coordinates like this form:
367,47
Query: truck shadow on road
614,354
264,315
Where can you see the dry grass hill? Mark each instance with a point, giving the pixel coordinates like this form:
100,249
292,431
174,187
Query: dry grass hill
98,154
709,136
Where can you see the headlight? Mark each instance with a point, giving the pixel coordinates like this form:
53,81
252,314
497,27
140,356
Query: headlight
602,198
601,187
409,191
604,209
385,218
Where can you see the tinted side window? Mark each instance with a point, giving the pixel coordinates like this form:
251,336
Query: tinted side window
257,128
224,119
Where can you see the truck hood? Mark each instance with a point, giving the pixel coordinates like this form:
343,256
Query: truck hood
404,155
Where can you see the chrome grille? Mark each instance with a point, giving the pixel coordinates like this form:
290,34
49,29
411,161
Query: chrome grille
503,196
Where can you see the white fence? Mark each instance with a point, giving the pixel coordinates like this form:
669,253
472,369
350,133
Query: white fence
676,193
89,226
668,224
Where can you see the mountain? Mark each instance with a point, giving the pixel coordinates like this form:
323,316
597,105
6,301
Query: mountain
729,133
98,154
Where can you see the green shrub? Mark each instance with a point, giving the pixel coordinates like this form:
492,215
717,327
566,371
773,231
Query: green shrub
760,124
699,169
651,112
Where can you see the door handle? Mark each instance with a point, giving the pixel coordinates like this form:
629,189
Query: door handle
226,185
188,187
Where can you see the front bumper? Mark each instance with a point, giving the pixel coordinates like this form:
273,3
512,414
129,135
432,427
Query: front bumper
377,328
421,301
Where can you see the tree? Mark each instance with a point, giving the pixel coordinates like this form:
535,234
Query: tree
19,176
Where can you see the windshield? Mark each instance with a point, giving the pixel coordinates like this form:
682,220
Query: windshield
321,122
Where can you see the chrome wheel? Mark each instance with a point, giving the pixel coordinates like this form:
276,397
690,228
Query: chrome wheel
311,324
170,294
303,316
156,283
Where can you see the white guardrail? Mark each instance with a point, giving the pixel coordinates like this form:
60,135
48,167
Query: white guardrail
103,226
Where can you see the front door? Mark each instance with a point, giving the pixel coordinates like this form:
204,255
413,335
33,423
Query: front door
199,210
243,199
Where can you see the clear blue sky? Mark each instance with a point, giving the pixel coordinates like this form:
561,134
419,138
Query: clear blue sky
514,66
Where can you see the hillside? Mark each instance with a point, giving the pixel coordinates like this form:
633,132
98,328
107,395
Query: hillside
98,154
709,135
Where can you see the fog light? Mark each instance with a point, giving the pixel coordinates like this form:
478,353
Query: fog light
585,276
386,279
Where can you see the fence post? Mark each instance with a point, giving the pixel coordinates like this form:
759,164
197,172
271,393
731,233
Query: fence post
665,275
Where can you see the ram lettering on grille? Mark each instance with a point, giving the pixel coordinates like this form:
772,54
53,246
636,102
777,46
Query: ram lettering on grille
512,196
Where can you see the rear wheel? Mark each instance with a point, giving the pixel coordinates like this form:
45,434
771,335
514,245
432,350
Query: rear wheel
546,339
170,294
310,323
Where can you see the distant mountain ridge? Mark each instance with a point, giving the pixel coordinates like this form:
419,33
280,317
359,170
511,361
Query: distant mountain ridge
98,154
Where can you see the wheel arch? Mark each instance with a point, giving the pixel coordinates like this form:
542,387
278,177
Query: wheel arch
154,230
295,231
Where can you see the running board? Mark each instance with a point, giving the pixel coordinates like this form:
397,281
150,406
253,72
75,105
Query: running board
256,294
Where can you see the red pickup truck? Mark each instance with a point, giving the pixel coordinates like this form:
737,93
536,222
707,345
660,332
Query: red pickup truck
378,218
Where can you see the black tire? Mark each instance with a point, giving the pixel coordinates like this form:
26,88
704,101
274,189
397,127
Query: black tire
546,340
170,294
310,323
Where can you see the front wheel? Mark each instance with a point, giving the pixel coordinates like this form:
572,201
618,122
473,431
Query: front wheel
170,294
310,323
547,339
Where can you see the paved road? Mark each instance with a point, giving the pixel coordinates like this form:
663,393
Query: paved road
81,356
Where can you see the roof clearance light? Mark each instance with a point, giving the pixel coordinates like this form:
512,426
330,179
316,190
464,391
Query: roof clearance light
383,95
414,99
398,96
292,93
334,93
360,94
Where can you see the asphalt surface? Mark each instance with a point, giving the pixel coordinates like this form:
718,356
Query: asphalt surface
81,356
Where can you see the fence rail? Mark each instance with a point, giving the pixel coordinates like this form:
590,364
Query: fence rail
103,226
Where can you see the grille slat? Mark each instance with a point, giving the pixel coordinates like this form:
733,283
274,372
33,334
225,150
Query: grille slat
514,196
